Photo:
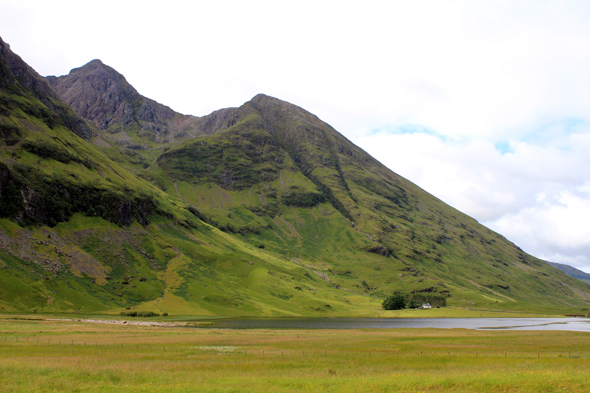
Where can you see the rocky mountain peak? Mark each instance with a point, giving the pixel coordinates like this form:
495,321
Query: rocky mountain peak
103,96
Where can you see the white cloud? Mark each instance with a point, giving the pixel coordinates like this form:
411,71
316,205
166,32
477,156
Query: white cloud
556,230
536,196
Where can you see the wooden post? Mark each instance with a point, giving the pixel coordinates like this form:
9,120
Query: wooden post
396,354
449,353
263,353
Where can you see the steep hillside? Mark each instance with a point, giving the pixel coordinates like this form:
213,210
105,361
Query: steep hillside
283,179
258,210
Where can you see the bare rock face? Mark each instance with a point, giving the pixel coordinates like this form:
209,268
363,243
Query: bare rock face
101,95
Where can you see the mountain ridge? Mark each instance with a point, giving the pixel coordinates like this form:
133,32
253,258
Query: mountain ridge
262,209
571,271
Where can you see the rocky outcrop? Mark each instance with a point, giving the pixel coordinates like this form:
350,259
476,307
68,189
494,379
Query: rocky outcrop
101,95
219,120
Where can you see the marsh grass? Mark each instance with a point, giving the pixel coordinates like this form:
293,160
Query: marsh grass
72,356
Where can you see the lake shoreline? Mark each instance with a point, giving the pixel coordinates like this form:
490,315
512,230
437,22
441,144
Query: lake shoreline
567,324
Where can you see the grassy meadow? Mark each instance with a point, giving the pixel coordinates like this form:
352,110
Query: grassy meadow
47,356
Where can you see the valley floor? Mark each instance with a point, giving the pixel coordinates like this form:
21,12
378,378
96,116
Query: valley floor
49,355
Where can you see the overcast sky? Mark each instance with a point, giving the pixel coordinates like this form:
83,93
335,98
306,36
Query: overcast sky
485,104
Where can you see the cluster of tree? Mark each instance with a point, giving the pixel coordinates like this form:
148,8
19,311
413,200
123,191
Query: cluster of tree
400,300
141,314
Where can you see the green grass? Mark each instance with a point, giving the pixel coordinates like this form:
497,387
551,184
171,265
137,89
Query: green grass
72,356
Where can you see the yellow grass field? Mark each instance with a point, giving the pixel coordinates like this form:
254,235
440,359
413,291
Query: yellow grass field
57,356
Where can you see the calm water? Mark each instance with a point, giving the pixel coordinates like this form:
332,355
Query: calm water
570,324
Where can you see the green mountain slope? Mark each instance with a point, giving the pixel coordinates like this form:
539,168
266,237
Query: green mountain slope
82,233
282,178
258,210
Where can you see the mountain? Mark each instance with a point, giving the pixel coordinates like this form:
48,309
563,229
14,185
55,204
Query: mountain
110,200
101,95
571,271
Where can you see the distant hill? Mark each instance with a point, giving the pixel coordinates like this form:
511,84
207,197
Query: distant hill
571,271
110,200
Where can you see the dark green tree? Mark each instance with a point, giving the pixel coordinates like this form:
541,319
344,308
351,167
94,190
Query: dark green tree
397,301
413,303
